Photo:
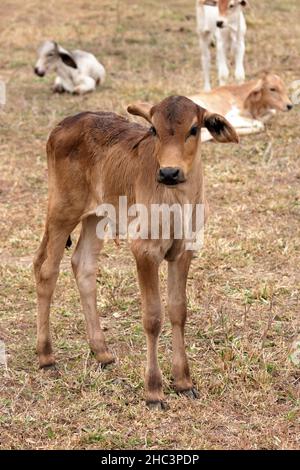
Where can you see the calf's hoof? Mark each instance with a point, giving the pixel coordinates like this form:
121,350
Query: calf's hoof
159,405
58,89
191,393
46,361
104,359
51,367
51,371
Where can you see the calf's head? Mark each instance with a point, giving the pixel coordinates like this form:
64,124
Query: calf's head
50,53
228,8
269,93
176,124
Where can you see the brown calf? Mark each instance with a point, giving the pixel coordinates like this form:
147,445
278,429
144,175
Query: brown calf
95,158
248,106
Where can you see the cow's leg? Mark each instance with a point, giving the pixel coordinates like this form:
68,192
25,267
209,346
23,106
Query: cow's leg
46,268
58,86
245,126
84,264
147,269
223,71
86,85
204,42
239,59
177,309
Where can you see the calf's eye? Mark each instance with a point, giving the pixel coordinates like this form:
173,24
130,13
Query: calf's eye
273,89
193,132
153,130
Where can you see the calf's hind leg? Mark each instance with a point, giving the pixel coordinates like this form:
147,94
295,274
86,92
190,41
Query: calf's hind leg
46,269
84,263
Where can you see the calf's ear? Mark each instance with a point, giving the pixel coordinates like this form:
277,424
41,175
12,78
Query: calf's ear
67,59
220,128
255,94
55,45
141,109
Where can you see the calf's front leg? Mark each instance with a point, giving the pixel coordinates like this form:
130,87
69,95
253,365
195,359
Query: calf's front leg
223,71
147,269
239,60
177,309
58,86
204,42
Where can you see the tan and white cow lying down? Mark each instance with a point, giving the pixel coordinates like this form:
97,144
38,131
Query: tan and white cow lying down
247,106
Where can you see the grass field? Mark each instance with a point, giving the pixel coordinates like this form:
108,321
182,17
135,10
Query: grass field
243,287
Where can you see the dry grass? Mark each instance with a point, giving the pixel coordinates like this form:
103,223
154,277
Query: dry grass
243,287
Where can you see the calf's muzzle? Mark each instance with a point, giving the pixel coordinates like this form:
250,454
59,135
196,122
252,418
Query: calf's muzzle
39,72
170,176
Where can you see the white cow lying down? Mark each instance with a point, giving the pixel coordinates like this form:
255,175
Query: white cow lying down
248,106
77,71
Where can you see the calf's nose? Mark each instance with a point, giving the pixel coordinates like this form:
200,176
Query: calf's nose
169,176
289,107
220,24
38,72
